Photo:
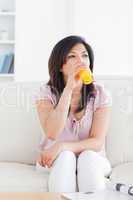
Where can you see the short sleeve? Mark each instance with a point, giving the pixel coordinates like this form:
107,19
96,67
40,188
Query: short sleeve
103,97
45,93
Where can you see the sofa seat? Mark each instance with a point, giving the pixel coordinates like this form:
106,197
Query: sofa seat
123,173
16,177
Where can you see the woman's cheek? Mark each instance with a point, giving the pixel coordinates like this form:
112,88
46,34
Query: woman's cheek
66,69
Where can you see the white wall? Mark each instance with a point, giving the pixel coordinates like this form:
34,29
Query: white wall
107,26
39,25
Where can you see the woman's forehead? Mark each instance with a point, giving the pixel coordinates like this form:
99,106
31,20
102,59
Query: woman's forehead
78,48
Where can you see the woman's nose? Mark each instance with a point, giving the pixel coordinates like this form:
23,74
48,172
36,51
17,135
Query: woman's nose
79,59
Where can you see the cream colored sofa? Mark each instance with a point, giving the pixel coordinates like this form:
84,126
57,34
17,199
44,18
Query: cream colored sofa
20,133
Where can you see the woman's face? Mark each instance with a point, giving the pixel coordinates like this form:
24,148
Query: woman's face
77,56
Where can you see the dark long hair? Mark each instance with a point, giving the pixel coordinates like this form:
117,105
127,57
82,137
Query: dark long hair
58,58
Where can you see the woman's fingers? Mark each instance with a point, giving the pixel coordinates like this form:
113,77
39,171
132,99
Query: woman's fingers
45,160
49,162
39,160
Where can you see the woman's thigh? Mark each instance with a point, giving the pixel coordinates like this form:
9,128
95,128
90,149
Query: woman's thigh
91,171
91,159
62,177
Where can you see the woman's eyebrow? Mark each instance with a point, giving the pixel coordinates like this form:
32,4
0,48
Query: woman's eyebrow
76,52
85,52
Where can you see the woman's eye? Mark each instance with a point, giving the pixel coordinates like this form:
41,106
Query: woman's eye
85,55
71,56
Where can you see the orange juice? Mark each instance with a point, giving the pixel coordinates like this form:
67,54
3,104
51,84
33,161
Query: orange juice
85,75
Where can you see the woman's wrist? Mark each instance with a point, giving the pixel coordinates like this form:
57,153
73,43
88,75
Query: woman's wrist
65,146
68,88
62,146
70,146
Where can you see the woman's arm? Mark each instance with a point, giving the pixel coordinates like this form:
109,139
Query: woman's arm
97,134
94,142
53,119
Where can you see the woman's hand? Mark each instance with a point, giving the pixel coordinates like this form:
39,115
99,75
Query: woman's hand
49,155
73,79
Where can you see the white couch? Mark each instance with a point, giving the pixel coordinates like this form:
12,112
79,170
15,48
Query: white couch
20,134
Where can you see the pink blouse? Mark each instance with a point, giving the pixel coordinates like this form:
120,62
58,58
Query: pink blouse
76,130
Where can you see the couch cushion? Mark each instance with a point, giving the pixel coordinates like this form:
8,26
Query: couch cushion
16,177
123,174
20,129
120,135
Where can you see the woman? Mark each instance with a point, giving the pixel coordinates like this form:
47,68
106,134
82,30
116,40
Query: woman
75,119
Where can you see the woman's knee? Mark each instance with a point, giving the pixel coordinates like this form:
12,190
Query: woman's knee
87,156
92,160
88,152
65,157
68,154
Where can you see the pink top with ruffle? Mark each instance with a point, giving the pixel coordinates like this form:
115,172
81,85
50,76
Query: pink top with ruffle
76,130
